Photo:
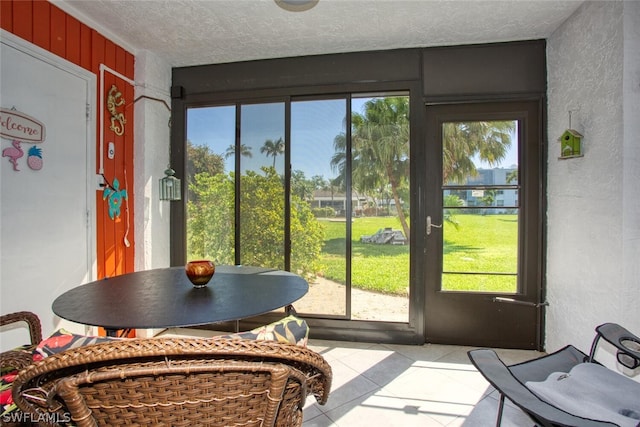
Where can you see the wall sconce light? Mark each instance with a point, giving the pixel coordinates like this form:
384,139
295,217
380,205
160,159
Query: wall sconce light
170,188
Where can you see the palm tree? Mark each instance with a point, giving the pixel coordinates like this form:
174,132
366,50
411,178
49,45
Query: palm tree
381,148
339,160
360,176
462,141
273,148
488,199
301,186
330,186
245,151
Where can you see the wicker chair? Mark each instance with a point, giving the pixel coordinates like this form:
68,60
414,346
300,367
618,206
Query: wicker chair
175,382
21,358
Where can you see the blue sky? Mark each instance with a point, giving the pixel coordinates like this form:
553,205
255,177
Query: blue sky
314,125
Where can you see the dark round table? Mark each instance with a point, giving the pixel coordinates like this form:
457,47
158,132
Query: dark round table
165,298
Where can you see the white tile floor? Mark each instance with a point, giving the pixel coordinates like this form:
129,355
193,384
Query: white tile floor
401,385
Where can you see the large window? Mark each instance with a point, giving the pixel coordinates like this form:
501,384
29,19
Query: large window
339,215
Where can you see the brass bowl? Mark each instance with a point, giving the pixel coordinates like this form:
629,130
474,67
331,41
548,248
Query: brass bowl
200,272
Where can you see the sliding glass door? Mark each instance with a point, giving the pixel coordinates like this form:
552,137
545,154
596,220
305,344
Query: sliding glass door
319,187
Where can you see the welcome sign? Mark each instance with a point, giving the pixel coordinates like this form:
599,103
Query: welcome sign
19,126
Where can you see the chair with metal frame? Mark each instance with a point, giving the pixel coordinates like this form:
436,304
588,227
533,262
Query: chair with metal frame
515,382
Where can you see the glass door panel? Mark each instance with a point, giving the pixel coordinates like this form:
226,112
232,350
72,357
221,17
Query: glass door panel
262,198
380,208
357,185
318,204
480,206
210,184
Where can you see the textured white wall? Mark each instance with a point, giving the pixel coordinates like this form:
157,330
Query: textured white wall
151,157
593,202
631,171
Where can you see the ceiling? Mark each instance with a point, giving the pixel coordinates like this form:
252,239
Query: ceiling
194,32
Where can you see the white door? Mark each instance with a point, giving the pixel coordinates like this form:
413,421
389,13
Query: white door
47,215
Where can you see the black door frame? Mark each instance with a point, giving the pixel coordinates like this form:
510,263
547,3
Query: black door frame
479,318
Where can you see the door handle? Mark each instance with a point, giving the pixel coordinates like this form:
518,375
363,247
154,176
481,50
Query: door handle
430,224
515,301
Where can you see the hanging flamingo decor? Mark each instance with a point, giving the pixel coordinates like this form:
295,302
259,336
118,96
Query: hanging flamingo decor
13,153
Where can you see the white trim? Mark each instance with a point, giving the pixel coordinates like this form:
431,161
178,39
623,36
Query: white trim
37,52
104,68
15,42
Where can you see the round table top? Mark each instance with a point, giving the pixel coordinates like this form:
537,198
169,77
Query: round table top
165,298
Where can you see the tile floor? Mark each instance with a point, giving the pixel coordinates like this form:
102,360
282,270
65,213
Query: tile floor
401,385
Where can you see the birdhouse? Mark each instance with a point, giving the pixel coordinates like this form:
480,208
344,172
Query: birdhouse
570,144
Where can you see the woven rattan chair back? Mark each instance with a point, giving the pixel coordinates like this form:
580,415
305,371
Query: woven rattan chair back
175,382
19,359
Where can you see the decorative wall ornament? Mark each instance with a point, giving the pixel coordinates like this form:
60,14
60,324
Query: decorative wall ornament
570,141
570,144
114,197
20,126
13,153
114,100
34,158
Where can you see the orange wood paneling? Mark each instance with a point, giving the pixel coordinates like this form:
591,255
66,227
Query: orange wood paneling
22,19
45,25
6,15
58,27
113,167
110,54
85,47
112,248
42,24
73,40
97,51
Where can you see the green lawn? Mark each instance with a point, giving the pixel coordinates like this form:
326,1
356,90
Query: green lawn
480,244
